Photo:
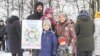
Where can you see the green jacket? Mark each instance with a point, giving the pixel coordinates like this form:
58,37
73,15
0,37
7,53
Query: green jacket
84,31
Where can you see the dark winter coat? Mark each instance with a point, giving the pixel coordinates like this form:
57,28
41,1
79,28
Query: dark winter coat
49,44
5,33
2,29
36,15
14,34
84,32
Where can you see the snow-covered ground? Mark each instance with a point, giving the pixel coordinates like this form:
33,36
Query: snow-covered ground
2,53
9,54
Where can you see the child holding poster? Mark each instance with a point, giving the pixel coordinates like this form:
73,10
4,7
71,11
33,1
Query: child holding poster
49,40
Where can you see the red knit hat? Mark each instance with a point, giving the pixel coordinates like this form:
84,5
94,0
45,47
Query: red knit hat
61,39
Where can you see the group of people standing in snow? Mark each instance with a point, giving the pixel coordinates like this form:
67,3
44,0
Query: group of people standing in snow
59,38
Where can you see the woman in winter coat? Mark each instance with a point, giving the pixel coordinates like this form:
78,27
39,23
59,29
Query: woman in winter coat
49,40
14,36
48,14
2,41
65,28
84,32
97,34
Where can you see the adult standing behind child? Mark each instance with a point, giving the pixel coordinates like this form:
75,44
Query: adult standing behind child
48,14
65,29
38,13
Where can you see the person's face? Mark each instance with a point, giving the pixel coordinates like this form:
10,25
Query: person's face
63,43
61,18
49,15
46,27
1,23
39,9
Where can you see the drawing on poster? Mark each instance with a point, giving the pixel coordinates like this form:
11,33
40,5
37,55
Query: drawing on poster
31,34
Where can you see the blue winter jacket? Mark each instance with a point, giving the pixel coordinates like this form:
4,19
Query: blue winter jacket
49,44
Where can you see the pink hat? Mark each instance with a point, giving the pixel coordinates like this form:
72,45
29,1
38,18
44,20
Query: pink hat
48,10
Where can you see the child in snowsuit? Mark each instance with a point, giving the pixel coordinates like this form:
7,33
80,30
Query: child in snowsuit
49,40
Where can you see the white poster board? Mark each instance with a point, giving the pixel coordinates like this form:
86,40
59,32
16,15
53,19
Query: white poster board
31,34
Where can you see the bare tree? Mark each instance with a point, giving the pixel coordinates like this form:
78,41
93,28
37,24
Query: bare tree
25,7
84,4
7,8
64,5
50,3
98,5
22,10
31,3
77,4
92,7
13,5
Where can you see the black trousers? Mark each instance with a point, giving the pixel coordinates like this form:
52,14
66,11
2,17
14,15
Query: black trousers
35,52
84,53
2,44
17,54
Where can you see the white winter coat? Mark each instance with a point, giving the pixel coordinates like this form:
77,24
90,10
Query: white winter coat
97,36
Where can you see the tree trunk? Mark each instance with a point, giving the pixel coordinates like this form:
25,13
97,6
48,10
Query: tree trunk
19,8
98,5
84,4
77,5
12,5
93,8
7,8
31,9
50,3
22,9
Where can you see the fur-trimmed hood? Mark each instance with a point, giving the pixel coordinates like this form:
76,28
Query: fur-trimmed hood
36,5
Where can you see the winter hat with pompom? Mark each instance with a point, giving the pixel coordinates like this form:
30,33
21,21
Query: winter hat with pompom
47,11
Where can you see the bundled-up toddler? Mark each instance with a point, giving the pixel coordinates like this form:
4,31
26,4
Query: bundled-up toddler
63,49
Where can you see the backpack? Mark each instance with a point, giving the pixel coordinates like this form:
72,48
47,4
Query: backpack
63,51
